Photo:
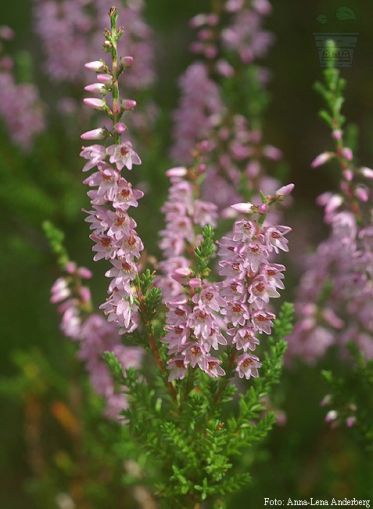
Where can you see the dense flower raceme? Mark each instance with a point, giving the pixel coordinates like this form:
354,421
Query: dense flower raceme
185,215
335,297
71,31
93,334
226,41
20,106
234,312
111,195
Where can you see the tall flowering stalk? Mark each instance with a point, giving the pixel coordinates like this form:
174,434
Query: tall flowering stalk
20,106
71,33
113,230
223,99
335,298
201,328
89,330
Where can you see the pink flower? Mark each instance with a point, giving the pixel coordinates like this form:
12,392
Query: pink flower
123,155
247,366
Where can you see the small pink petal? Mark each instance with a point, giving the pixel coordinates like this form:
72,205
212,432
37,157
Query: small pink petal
285,190
178,171
95,134
367,173
97,66
322,159
96,104
244,208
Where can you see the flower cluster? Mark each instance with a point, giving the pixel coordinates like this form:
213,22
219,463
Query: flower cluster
20,105
251,279
93,334
335,296
228,40
185,215
233,312
71,32
200,107
239,165
111,195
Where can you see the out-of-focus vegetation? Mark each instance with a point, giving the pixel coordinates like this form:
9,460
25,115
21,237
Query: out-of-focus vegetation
52,434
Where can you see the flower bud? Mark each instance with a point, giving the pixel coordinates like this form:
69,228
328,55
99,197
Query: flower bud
347,153
106,79
96,104
120,128
127,61
362,193
97,66
322,159
95,88
179,171
244,208
285,190
95,134
367,173
129,104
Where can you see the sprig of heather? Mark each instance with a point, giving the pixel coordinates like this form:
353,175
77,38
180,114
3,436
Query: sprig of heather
334,300
185,214
251,278
229,41
90,331
20,106
113,230
209,318
71,33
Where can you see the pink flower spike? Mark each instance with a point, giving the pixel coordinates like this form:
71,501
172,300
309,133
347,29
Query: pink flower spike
179,171
97,66
96,104
120,128
244,208
95,134
285,190
95,88
129,104
322,159
347,153
367,173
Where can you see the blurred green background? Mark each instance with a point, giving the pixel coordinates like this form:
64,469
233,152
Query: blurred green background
304,458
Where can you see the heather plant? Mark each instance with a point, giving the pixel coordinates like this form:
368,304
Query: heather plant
334,301
223,100
176,344
334,304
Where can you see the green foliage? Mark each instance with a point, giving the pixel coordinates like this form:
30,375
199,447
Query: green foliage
56,240
332,91
352,396
194,444
205,252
